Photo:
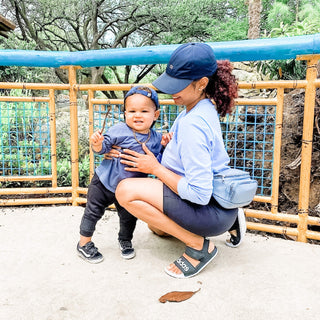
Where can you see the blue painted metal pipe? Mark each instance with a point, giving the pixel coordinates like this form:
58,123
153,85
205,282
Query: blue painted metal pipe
244,50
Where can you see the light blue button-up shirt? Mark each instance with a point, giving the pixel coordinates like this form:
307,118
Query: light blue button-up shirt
196,151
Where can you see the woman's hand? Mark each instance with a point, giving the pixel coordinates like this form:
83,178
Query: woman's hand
137,162
113,153
166,138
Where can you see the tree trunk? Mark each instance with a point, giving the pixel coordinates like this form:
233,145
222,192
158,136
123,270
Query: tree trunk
254,10
96,73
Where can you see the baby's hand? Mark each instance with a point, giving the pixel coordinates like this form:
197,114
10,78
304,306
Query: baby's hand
96,141
166,138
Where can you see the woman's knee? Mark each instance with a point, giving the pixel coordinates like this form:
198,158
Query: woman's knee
123,191
144,189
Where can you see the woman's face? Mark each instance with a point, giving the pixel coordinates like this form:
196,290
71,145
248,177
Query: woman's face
191,95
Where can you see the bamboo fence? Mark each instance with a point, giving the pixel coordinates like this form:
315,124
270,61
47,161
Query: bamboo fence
294,225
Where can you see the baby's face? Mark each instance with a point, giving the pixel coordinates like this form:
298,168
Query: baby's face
140,113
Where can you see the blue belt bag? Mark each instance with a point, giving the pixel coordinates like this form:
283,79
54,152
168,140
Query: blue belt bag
233,188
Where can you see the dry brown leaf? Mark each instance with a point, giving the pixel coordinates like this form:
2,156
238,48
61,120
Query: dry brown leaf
177,296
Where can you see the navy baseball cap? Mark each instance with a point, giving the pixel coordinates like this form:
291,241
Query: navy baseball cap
189,62
145,91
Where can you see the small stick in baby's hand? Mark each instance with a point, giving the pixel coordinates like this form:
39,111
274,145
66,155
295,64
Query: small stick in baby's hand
105,121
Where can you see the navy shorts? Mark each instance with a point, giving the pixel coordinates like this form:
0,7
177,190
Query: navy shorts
204,220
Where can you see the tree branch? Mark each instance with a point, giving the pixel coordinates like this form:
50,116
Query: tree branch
144,72
22,12
109,94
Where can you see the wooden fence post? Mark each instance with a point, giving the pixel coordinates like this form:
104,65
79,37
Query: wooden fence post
306,147
277,151
74,132
53,138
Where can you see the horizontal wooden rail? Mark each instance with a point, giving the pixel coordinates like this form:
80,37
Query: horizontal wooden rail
250,213
84,201
272,229
263,199
24,99
120,101
34,86
290,84
81,200
293,84
312,235
267,102
240,101
28,178
11,191
34,201
259,214
82,190
108,87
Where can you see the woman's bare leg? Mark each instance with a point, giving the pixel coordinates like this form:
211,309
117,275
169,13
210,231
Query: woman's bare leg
158,232
143,198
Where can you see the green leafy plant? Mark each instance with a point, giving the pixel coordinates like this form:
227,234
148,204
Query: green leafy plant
284,23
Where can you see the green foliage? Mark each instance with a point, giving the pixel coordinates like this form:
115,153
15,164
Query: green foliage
285,21
290,69
64,164
310,11
21,151
280,13
205,21
84,166
84,25
297,29
230,30
64,172
17,73
25,146
63,149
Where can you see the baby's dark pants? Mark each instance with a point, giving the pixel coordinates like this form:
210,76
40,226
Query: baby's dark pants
98,199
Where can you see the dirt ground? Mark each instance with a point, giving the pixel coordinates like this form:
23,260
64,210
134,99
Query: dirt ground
42,278
291,154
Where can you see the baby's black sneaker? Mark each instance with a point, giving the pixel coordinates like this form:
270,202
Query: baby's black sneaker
127,252
89,252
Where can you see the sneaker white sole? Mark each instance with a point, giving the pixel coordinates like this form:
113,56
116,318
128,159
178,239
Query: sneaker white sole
88,260
242,228
127,256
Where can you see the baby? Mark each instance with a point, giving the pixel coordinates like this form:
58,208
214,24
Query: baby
141,110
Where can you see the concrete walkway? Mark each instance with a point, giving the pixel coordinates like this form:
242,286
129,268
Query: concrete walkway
42,278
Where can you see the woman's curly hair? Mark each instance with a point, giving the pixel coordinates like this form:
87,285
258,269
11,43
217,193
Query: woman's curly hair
223,87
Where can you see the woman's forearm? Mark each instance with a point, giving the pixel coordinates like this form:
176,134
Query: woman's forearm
167,176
